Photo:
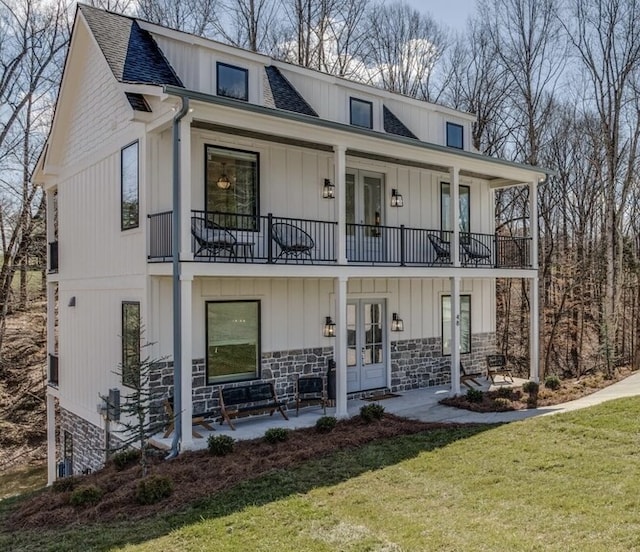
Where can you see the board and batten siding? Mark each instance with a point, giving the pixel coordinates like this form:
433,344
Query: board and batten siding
294,309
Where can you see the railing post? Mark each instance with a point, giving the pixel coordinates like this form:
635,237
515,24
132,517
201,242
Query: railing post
402,246
495,250
269,238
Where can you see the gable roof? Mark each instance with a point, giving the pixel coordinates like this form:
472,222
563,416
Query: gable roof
284,95
131,52
393,125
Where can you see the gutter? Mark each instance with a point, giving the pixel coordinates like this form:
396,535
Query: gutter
177,292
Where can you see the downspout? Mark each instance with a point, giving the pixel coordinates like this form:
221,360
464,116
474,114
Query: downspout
177,295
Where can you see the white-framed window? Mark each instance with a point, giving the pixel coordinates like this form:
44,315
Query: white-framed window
465,324
233,340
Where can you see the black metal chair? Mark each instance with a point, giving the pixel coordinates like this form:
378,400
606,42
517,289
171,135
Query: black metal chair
294,242
212,238
441,247
474,250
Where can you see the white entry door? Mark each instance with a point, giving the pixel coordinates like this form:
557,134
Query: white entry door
366,368
364,206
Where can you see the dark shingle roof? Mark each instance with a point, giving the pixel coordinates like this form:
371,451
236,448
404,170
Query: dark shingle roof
130,51
137,102
285,96
393,125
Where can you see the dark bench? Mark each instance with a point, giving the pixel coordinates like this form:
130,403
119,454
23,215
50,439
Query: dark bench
497,364
248,399
466,377
311,390
196,419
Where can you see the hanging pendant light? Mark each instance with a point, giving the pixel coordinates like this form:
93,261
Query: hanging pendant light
223,182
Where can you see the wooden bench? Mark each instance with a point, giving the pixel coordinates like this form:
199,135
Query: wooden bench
466,377
196,419
248,399
311,390
497,365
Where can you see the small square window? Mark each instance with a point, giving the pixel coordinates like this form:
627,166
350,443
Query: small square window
361,113
455,136
233,82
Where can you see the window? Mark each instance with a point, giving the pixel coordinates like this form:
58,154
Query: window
129,203
464,208
130,342
361,113
233,82
465,324
455,136
233,340
237,200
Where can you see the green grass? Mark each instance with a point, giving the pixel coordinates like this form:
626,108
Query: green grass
566,482
22,480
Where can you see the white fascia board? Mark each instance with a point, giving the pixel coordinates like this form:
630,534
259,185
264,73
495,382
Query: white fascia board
144,89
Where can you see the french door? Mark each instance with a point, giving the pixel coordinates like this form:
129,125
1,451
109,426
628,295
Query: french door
364,214
366,367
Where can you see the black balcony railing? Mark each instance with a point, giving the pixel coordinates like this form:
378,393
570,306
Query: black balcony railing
231,237
53,370
53,256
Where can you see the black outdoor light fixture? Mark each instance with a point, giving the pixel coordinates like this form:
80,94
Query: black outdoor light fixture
329,329
396,198
223,182
397,325
328,189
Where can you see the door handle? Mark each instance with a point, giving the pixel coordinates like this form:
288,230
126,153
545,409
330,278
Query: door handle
362,353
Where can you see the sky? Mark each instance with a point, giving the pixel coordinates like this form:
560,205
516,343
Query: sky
453,13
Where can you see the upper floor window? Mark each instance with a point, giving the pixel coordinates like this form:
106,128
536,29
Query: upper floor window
130,343
361,113
464,209
129,183
233,340
455,136
231,187
233,82
465,324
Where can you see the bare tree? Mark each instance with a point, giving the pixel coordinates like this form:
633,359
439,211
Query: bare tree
198,17
250,24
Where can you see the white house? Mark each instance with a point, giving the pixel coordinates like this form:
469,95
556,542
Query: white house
234,205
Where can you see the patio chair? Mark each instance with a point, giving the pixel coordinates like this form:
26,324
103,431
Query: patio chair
212,238
441,248
294,242
311,390
469,377
196,419
474,250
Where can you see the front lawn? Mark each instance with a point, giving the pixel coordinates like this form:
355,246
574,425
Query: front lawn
565,482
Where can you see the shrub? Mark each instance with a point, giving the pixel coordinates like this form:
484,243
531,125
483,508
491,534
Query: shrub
504,392
531,387
65,484
125,458
86,494
325,424
552,382
371,412
276,435
474,395
220,445
500,404
153,489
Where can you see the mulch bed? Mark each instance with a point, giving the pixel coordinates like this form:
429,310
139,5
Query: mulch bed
198,474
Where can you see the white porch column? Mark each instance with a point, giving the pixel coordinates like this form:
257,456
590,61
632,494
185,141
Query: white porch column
187,361
534,331
454,214
455,335
533,222
51,439
340,351
340,170
186,254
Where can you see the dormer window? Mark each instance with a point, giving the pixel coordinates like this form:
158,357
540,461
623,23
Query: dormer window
455,136
361,113
233,82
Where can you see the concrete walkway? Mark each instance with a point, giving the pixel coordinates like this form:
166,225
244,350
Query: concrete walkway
418,404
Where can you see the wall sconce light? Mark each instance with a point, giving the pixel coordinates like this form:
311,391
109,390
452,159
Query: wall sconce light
397,325
223,182
329,329
396,198
328,189
72,301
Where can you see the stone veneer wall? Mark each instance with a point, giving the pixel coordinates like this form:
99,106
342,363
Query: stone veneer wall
419,363
280,367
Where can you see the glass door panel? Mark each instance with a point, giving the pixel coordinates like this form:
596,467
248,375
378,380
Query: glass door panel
366,368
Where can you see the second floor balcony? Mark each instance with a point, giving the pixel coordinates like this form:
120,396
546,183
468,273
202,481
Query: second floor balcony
228,237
